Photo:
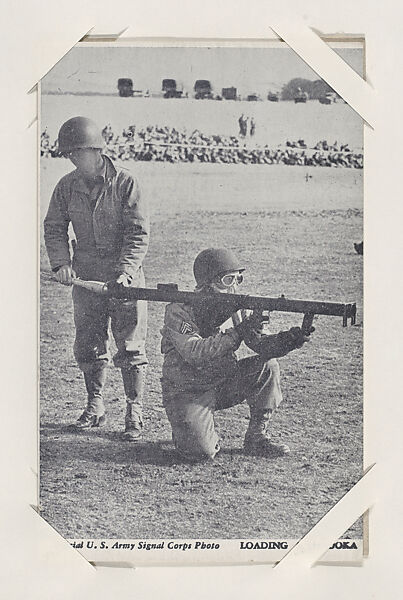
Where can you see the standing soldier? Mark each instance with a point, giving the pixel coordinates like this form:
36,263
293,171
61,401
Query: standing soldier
201,373
252,126
110,221
243,125
107,133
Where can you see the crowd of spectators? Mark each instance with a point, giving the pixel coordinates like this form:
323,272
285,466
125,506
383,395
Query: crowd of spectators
167,144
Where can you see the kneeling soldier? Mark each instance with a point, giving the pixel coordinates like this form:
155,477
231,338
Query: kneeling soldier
201,372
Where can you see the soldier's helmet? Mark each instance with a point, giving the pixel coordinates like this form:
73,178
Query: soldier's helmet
213,262
79,132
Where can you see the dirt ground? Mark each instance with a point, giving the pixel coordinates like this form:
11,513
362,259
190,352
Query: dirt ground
295,234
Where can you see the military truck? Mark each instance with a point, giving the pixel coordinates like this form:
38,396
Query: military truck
171,89
203,89
125,87
326,98
253,97
272,96
229,93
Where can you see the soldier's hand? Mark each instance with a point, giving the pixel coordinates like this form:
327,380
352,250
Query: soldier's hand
253,322
65,275
296,337
250,331
280,344
258,321
123,280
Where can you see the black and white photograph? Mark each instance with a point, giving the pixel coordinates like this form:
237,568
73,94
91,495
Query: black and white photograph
201,301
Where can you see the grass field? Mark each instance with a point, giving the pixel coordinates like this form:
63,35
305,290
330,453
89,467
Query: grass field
296,237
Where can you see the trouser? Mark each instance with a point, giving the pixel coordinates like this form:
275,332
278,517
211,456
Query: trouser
92,315
192,416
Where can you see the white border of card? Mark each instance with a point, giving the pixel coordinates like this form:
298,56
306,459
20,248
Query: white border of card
51,567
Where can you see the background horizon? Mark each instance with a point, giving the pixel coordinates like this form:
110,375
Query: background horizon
250,70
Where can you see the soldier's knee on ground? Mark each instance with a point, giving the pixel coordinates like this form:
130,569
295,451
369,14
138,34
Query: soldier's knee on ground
196,452
195,439
192,423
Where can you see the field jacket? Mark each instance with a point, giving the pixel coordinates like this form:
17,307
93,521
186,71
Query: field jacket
115,234
191,362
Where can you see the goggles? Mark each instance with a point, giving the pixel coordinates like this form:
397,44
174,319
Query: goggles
231,279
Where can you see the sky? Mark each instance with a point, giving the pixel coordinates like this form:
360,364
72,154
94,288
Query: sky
96,69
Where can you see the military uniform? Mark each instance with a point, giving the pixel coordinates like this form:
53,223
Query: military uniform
111,226
202,374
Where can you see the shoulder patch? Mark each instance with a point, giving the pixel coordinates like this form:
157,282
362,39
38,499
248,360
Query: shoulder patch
186,328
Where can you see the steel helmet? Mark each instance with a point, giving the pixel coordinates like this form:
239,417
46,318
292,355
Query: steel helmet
213,262
79,132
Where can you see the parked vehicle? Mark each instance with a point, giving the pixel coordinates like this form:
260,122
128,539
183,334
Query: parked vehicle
253,97
327,98
171,89
229,93
203,89
273,96
125,87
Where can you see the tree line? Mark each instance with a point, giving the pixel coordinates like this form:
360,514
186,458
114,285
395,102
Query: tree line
314,89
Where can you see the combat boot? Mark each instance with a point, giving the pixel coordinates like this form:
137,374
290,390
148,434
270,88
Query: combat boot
94,414
133,382
257,440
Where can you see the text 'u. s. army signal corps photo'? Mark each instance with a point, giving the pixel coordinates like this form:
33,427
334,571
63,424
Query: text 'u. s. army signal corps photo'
201,302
